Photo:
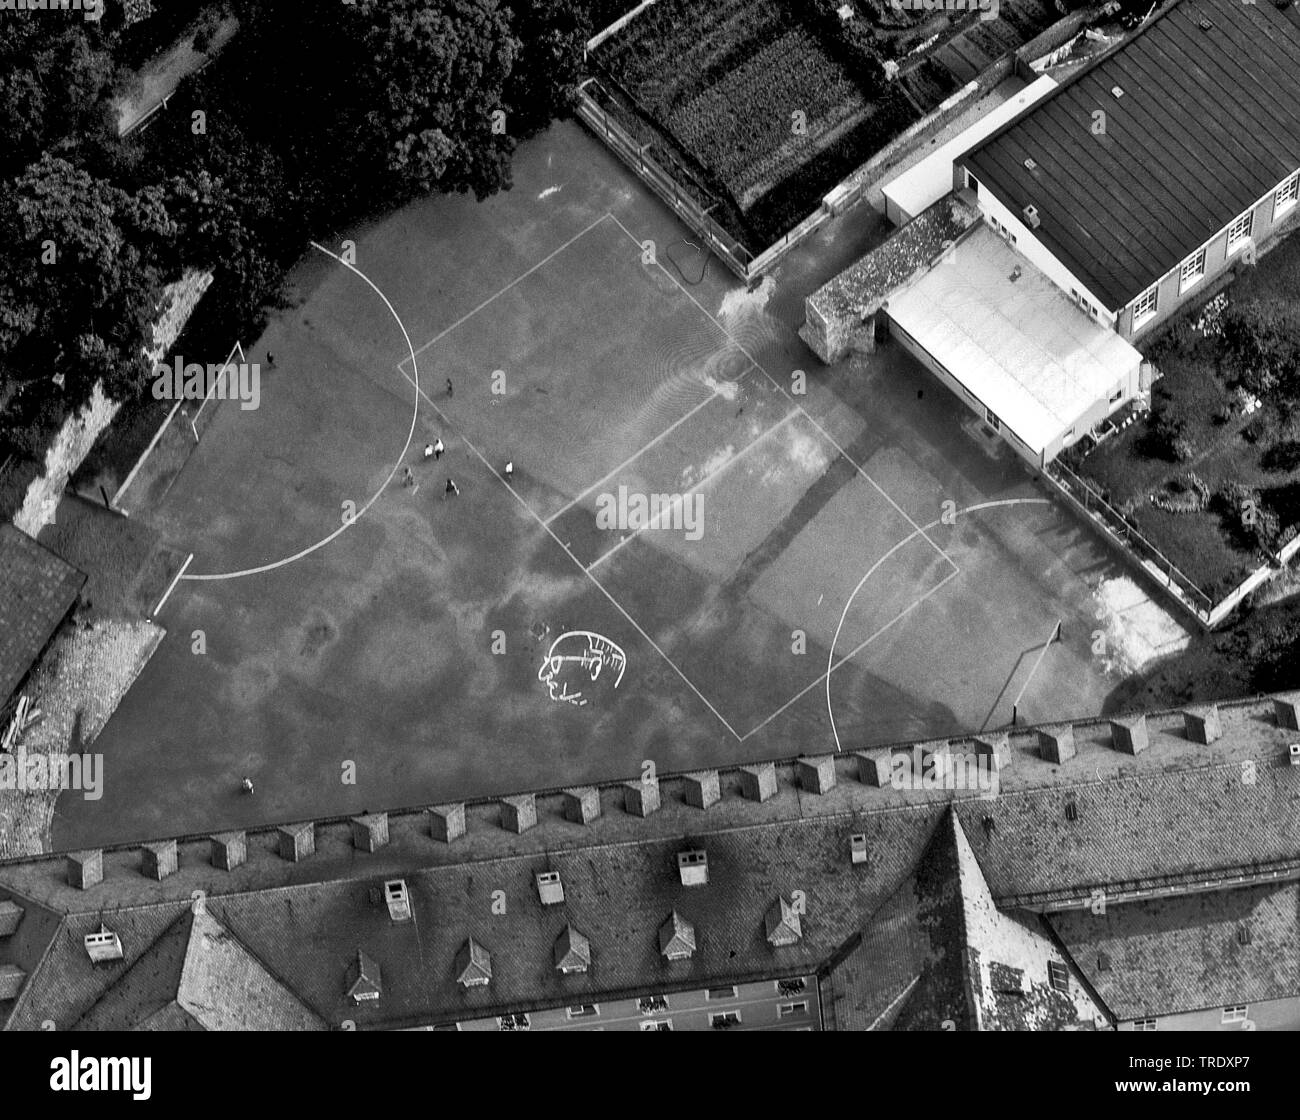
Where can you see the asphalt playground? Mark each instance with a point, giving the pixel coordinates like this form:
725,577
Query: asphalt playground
838,563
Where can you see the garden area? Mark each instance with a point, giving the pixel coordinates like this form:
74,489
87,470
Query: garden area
1212,476
770,102
766,105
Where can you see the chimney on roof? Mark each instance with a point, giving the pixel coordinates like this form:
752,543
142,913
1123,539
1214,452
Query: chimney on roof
364,980
229,850
572,951
582,805
876,768
640,799
1056,743
549,888
758,783
370,832
104,946
159,860
858,847
1030,213
701,789
11,981
676,938
1201,724
297,841
447,822
996,748
1286,710
473,965
10,915
816,775
518,813
1129,734
85,869
782,924
693,867
398,900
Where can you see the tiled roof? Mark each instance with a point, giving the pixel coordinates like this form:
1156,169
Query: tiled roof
1189,952
37,589
1208,122
1140,826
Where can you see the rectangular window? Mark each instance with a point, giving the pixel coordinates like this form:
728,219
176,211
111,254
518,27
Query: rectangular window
649,1005
1011,237
791,987
1240,230
1116,395
513,1023
992,420
1234,1014
1192,270
1286,195
583,1011
790,1010
724,1020
720,993
1144,1024
1146,304
658,1025
1059,975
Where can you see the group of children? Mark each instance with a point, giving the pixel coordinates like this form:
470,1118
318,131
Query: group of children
435,451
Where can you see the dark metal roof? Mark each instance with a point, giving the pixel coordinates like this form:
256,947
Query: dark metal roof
37,589
1208,123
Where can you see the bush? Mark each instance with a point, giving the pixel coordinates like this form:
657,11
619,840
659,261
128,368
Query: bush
1283,456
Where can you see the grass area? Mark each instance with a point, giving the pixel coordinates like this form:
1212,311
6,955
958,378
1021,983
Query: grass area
772,105
1214,486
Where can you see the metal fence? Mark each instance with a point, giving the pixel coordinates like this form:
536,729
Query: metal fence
633,152
1086,496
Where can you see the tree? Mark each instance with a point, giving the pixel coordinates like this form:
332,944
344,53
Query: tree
552,35
81,276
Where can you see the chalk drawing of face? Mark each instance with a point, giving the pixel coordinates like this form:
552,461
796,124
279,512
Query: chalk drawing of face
577,657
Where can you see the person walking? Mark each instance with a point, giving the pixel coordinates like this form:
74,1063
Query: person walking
428,451
246,785
438,448
449,389
452,488
510,470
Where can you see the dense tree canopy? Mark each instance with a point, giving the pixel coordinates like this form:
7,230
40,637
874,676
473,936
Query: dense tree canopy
307,120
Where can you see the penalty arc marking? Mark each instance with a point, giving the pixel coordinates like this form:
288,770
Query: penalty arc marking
918,532
410,435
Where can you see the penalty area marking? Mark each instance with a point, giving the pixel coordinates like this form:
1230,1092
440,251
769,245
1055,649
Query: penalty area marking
410,435
830,658
785,392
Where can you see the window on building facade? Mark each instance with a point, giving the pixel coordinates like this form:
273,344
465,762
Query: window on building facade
721,993
790,1010
583,1011
724,1020
658,1025
1059,976
1286,195
648,1005
1146,304
1144,1024
1192,270
513,1023
992,420
791,987
1240,230
1235,1014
